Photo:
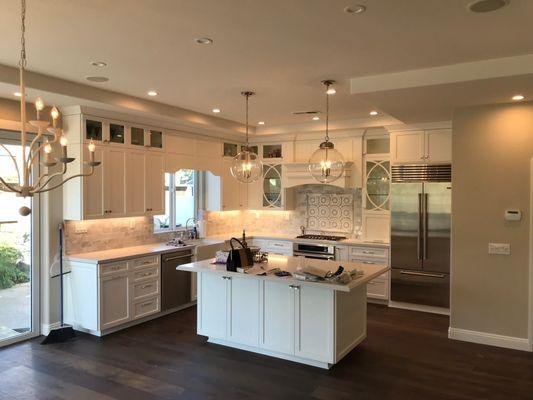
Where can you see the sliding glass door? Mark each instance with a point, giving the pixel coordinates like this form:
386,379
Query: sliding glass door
18,277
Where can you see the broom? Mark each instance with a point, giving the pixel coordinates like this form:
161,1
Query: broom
64,332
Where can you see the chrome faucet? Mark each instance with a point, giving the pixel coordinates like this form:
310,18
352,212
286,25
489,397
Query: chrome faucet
191,234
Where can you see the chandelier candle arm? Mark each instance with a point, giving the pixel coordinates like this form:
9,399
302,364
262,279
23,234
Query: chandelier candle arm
31,153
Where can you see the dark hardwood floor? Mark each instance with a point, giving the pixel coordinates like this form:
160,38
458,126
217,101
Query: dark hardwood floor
406,356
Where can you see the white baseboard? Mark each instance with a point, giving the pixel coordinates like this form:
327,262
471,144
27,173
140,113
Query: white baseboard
490,339
419,307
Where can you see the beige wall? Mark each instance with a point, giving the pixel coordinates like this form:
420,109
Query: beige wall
492,149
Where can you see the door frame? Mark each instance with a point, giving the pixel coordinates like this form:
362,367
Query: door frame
35,271
531,256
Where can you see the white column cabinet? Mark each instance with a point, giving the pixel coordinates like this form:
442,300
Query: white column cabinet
429,146
92,201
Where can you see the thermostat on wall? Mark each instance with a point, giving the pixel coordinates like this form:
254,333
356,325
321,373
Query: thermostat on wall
513,215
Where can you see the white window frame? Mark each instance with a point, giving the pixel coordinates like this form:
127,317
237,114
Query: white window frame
172,200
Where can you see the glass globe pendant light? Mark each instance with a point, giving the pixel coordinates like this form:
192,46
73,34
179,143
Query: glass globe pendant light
246,166
326,164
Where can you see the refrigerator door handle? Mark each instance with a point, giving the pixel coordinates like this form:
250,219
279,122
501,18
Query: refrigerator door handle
425,219
419,238
441,276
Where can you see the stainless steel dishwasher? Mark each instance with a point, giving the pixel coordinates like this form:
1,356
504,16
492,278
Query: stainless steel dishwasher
175,285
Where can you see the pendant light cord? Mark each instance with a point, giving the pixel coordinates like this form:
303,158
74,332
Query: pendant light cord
247,97
22,61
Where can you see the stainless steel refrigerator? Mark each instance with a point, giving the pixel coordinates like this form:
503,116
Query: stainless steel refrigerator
420,234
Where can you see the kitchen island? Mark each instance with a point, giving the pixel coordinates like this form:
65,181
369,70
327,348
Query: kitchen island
314,323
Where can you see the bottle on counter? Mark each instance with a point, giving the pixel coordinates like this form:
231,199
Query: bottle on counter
244,238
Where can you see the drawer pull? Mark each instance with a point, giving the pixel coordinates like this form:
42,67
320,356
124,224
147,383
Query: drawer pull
146,286
147,274
147,304
367,252
295,287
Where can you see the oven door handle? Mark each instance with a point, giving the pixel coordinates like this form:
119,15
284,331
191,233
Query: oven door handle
177,257
321,256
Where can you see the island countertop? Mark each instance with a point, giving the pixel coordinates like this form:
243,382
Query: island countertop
291,264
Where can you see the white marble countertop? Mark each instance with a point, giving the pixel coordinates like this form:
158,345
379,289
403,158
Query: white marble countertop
291,264
96,257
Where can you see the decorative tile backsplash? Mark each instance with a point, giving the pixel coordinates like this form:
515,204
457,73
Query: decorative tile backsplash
318,208
330,212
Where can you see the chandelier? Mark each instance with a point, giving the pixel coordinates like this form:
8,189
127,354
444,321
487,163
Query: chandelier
246,166
28,184
326,163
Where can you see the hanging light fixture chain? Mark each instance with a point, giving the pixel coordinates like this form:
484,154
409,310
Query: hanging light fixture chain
327,113
247,97
22,61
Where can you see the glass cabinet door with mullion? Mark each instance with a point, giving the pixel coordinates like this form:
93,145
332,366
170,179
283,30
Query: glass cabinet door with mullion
377,187
272,186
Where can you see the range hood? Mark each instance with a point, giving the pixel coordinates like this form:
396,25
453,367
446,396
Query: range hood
297,174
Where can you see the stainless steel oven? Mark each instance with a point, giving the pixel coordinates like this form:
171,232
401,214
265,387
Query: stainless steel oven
314,250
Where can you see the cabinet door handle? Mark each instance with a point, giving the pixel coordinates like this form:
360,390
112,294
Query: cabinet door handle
295,287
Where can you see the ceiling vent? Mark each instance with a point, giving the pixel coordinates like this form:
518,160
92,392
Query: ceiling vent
483,6
305,112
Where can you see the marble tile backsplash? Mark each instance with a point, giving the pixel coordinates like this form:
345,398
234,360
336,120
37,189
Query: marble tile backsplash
95,235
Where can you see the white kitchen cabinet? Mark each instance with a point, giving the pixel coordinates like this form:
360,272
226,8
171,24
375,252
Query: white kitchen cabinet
438,145
342,253
92,192
154,183
224,192
243,311
429,146
278,318
312,313
135,183
212,312
378,288
114,300
100,297
376,226
114,169
279,247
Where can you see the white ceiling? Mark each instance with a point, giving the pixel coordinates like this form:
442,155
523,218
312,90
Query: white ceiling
280,48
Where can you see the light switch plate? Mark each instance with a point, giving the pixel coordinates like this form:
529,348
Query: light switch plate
500,248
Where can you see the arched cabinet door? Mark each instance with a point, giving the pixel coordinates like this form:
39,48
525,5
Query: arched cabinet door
272,186
377,185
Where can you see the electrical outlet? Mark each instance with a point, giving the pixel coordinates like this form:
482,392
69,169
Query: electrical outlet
81,230
132,223
500,248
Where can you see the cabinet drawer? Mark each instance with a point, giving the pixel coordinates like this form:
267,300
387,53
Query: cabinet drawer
145,289
112,268
282,246
144,262
378,261
378,289
146,273
145,307
369,252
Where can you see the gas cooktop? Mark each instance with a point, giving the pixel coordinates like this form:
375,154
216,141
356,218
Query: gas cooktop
322,237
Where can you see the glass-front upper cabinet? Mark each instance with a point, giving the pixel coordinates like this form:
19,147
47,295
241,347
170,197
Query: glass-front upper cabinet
137,136
116,133
272,151
272,186
378,145
230,150
93,130
156,139
377,185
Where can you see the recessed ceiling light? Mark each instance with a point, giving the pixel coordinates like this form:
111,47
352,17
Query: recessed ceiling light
261,123
355,9
99,64
17,94
98,79
216,110
316,118
483,6
152,93
204,40
373,112
518,97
